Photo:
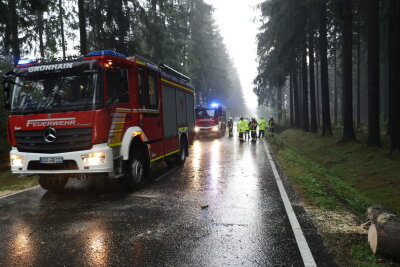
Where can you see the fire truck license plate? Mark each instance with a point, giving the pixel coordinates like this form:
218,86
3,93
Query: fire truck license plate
51,160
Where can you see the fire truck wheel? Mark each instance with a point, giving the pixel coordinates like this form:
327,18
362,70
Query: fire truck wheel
181,156
137,171
52,183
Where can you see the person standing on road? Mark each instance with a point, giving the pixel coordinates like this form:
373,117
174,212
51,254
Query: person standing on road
241,129
271,124
230,127
262,125
247,128
253,129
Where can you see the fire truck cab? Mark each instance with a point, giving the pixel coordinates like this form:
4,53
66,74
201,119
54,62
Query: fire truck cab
102,114
210,120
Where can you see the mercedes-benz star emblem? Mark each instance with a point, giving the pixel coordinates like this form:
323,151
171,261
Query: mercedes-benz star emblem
49,135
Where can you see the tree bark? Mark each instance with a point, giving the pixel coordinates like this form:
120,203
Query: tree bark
306,120
374,137
82,27
296,98
384,232
313,108
62,28
291,104
335,102
40,30
317,89
323,47
394,77
359,73
14,31
279,103
347,97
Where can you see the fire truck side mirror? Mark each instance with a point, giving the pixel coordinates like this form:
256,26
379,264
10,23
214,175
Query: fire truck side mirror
6,90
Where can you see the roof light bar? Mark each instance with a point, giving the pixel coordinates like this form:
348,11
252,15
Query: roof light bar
26,61
105,53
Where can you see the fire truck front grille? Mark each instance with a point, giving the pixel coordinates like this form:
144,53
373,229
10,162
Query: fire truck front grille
35,165
67,140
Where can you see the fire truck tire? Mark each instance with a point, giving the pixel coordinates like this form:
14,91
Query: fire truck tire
137,170
52,183
181,156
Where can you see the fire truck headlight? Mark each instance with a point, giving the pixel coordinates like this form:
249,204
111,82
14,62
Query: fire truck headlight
196,129
96,158
16,160
215,128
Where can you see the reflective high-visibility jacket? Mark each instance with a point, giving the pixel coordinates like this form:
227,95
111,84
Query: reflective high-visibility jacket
246,125
241,126
262,124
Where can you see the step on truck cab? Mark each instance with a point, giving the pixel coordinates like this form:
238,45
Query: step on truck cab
210,120
101,114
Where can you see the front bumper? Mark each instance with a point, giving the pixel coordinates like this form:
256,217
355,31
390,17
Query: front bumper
106,167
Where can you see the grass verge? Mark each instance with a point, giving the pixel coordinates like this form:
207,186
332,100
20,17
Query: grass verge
337,182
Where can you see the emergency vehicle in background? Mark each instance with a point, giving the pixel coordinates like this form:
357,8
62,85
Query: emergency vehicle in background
102,114
210,120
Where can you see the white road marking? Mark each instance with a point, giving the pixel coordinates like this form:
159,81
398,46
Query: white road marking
21,191
305,251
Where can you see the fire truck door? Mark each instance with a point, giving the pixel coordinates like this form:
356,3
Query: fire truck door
149,112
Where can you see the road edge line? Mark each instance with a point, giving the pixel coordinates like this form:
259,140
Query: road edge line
21,191
301,241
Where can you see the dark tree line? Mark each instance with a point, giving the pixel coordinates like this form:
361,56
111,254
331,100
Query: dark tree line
180,33
331,58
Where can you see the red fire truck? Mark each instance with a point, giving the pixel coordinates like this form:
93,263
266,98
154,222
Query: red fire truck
102,114
210,120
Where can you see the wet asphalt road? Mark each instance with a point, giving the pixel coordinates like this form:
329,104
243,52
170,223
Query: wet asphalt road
223,208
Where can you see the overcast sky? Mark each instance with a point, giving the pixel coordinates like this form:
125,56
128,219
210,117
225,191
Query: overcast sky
235,19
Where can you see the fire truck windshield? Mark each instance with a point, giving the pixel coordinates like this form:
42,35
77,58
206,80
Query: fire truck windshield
57,92
205,113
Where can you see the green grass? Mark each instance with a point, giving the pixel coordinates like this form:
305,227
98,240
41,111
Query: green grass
339,176
11,182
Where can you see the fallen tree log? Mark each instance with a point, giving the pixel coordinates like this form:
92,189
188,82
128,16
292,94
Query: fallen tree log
384,232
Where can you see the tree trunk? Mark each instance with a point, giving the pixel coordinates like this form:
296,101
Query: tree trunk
14,31
121,27
384,232
279,102
7,36
306,120
359,73
323,47
317,89
62,28
335,103
291,104
296,98
374,137
347,98
313,108
394,77
82,27
40,30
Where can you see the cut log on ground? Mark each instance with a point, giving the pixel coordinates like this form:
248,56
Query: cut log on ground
384,233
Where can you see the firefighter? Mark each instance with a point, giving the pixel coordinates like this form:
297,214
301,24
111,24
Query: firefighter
246,128
241,129
230,126
253,129
261,130
271,124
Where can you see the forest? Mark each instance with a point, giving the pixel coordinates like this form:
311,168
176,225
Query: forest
332,64
179,33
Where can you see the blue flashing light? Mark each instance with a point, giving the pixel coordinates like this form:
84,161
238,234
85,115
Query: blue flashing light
26,61
214,105
105,53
